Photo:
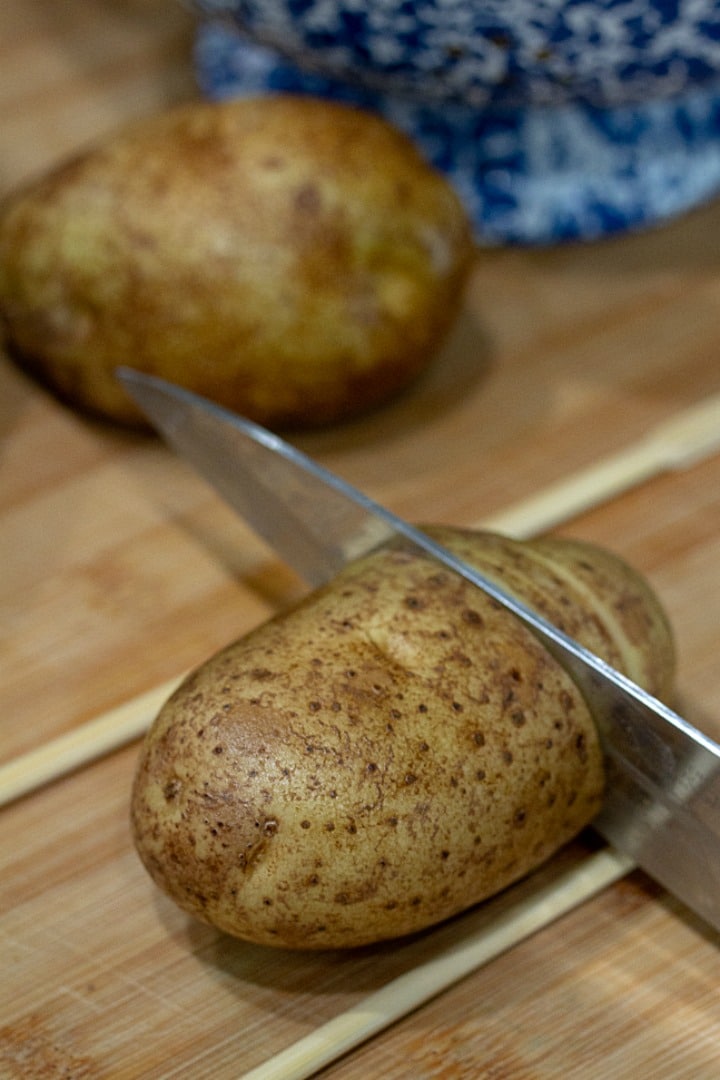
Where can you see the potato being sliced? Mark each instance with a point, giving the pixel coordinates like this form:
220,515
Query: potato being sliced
393,750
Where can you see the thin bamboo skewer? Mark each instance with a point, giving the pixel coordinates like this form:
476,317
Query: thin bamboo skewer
678,443
83,744
416,987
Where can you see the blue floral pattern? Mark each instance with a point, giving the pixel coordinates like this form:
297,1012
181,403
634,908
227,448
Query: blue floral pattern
498,52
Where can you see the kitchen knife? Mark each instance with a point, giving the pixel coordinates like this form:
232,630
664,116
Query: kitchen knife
662,805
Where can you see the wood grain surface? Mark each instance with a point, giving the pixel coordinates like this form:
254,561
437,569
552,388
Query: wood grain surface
120,569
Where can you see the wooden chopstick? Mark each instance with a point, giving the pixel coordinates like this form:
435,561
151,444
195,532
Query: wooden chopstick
406,993
678,443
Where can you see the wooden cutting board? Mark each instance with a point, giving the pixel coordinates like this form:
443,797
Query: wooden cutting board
120,569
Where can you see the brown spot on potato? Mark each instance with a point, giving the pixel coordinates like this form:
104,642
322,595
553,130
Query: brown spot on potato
172,789
308,199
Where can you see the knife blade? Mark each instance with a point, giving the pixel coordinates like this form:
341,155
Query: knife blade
662,805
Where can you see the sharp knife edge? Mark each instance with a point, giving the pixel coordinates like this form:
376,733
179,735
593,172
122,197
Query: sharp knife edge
672,788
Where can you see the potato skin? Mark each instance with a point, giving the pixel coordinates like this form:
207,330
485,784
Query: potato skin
293,259
395,749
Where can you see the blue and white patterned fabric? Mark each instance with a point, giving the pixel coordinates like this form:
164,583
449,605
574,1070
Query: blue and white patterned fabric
574,127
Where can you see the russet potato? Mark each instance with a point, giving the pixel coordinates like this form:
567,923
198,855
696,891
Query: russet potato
294,259
394,749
